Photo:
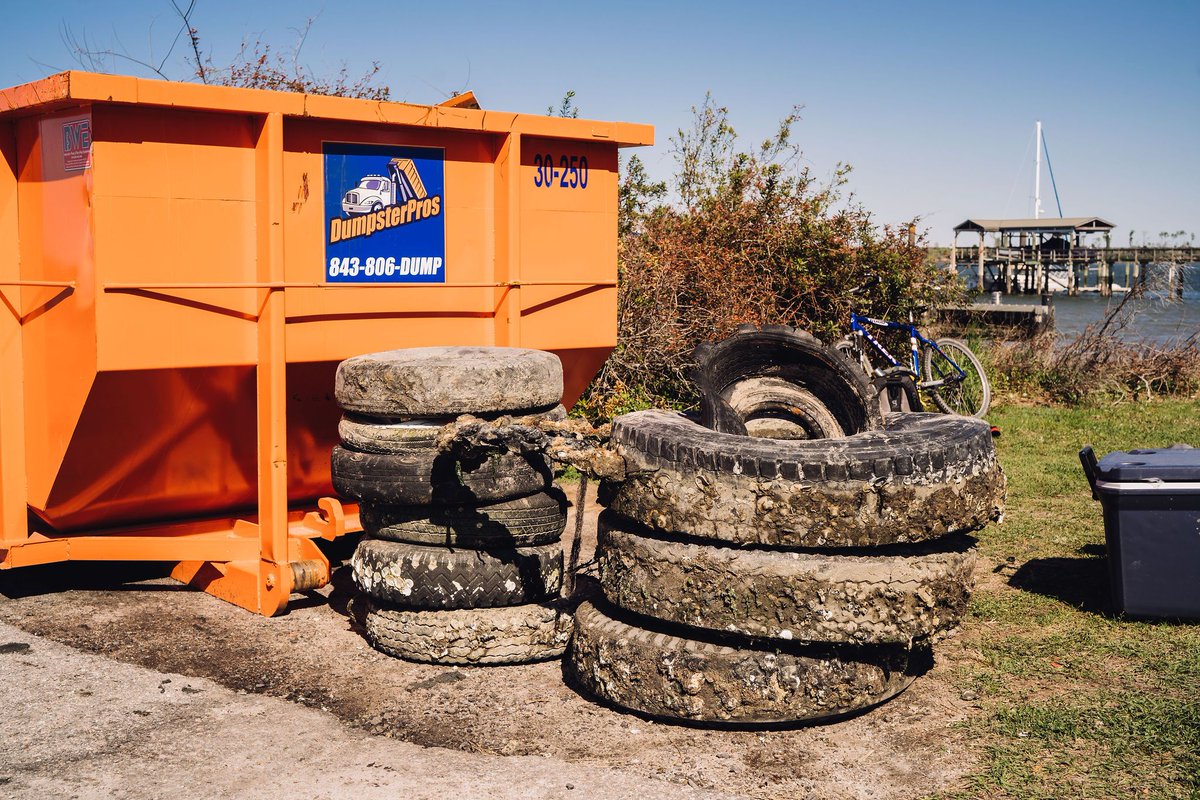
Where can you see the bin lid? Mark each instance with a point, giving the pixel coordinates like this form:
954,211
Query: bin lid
1176,463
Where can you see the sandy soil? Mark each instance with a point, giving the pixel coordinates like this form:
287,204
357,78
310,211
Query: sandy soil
314,656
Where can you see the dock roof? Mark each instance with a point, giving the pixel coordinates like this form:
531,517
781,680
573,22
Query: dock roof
1042,225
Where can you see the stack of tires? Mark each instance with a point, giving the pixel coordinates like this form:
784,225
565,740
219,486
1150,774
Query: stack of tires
763,580
460,562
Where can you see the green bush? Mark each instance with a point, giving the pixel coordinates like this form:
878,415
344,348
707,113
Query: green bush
750,236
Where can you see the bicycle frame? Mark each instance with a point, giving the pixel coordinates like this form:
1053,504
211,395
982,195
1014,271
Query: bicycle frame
858,325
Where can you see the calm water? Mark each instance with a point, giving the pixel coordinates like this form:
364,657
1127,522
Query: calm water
1156,318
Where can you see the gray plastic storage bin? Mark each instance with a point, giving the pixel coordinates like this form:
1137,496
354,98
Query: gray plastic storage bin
1151,501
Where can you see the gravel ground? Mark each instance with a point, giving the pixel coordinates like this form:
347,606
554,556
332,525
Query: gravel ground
134,686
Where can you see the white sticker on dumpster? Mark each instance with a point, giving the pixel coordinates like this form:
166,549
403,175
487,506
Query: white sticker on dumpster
76,143
385,214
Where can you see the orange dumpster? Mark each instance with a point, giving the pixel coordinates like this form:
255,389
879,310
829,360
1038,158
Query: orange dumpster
183,266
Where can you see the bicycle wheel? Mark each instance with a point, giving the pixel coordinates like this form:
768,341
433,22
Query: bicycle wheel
969,396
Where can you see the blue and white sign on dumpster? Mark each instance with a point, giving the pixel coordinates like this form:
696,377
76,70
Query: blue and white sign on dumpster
384,214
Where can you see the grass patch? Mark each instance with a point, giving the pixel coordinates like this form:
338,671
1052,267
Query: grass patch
568,475
1075,700
1104,745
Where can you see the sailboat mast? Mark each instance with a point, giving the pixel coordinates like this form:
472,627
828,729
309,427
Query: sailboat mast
1037,173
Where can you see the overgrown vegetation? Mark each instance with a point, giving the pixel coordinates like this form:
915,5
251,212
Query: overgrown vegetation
1073,700
750,237
257,66
1098,365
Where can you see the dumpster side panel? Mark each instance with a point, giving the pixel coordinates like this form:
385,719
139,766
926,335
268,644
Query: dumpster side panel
181,443
59,324
568,235
12,398
580,365
174,202
159,444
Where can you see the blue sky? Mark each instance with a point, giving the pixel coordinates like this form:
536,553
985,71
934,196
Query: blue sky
933,104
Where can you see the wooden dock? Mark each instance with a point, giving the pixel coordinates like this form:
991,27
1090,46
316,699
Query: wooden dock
1027,320
1073,270
1048,254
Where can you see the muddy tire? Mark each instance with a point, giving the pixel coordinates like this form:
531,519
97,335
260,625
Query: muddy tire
421,477
772,408
513,635
368,435
793,357
417,576
373,435
663,675
536,519
915,591
446,381
920,478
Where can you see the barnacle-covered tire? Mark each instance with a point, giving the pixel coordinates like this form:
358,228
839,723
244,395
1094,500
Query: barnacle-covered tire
535,519
912,591
417,576
919,478
512,635
419,477
446,381
376,435
791,356
667,676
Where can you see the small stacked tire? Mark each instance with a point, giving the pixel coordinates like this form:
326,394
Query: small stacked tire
460,562
754,580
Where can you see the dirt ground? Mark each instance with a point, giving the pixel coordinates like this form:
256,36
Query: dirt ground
314,656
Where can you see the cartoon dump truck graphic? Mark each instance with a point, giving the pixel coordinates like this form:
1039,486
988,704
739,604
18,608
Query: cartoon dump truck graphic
375,192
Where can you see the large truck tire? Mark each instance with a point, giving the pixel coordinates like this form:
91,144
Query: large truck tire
921,477
421,477
667,676
477,636
538,518
372,435
911,592
447,381
418,576
790,356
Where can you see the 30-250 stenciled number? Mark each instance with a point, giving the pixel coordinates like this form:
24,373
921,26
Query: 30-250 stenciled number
571,172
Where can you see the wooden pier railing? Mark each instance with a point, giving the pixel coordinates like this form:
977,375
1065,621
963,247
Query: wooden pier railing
1033,269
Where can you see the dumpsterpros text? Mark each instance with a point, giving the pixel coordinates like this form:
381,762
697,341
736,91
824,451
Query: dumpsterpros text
367,224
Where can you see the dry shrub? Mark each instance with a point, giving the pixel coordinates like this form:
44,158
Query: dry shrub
1099,364
751,239
258,66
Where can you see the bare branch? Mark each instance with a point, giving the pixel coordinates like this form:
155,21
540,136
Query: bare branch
103,59
193,38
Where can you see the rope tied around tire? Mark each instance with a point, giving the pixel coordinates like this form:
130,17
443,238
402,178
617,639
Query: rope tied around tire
569,442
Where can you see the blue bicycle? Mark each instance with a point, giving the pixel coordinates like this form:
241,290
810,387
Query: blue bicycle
944,369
